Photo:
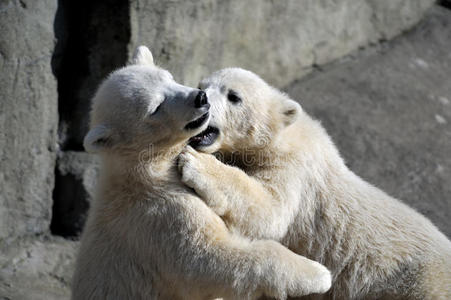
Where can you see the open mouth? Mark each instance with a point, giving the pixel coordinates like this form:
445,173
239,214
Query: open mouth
198,122
205,138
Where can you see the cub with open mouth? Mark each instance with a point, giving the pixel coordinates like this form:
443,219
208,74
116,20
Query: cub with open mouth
293,186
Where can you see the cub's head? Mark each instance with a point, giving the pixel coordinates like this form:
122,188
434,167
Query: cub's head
141,106
246,113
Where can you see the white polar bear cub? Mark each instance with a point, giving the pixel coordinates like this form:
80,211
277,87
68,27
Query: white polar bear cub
296,189
148,236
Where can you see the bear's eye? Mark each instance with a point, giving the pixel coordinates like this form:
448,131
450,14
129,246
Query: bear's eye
233,97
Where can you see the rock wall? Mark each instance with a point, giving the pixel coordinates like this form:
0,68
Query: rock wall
28,147
28,117
54,53
279,40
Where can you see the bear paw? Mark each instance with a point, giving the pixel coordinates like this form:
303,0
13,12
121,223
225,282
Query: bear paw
190,167
313,278
197,171
293,275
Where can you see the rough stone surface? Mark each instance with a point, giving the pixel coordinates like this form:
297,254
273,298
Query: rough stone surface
28,117
389,112
37,269
280,40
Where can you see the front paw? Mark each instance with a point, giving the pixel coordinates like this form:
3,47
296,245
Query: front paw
191,170
314,278
197,171
294,275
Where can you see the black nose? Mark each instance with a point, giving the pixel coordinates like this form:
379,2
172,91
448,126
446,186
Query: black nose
201,99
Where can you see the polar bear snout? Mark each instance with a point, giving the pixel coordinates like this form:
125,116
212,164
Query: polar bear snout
201,113
201,100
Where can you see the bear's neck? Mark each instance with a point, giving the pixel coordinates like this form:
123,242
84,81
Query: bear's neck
147,169
125,183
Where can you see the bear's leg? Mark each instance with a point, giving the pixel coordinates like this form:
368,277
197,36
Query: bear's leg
241,269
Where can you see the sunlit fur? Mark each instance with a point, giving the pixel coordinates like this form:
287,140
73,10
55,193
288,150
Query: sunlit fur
293,186
150,237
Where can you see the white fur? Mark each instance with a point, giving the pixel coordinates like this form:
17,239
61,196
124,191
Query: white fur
148,236
292,186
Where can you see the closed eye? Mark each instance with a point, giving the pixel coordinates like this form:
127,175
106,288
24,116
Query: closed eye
156,110
233,97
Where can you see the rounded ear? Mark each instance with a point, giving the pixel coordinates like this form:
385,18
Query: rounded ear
290,111
143,56
98,138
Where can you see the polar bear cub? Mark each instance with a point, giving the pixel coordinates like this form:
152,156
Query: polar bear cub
292,186
148,236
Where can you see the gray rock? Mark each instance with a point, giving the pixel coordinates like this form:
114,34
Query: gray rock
31,266
28,117
37,269
280,40
389,112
